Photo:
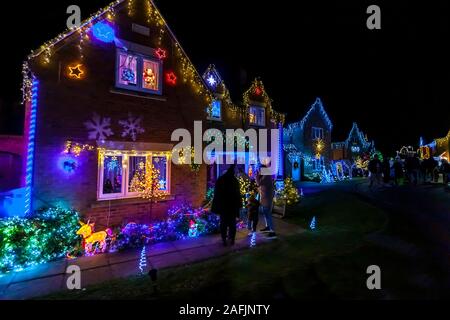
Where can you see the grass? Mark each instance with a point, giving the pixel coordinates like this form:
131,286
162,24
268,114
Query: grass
329,262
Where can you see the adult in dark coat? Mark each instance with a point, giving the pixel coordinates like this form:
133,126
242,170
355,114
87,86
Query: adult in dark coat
227,203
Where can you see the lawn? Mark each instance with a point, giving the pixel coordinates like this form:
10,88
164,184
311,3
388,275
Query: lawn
329,262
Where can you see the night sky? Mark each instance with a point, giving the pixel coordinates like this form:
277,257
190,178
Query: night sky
394,82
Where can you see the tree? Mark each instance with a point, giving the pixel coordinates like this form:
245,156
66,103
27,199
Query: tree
147,183
289,192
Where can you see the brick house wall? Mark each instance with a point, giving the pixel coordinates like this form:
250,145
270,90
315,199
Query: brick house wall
65,104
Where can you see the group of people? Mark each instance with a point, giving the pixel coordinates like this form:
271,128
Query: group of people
412,168
227,203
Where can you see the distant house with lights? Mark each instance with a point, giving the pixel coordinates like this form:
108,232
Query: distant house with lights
102,102
438,148
307,143
354,146
255,111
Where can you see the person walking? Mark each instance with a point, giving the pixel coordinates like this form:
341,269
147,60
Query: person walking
253,212
266,192
227,202
398,171
386,171
374,170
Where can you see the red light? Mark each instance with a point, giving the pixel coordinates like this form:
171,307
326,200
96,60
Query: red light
161,53
171,78
258,91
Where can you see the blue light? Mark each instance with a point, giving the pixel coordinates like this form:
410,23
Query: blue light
103,32
215,109
313,224
30,147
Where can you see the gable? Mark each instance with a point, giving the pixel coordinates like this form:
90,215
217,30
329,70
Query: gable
316,109
126,18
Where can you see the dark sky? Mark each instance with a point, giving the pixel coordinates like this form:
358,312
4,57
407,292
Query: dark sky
394,82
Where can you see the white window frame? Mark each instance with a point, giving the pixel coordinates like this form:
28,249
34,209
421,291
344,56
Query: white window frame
256,123
316,130
125,194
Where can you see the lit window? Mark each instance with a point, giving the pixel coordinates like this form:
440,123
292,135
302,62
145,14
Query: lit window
257,116
139,73
317,133
150,75
112,175
118,169
216,112
160,164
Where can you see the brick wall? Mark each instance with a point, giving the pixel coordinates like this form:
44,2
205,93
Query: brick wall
64,104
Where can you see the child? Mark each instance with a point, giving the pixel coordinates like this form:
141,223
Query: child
253,211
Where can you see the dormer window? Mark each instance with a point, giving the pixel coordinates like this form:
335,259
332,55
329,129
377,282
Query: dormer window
138,72
317,133
257,116
215,113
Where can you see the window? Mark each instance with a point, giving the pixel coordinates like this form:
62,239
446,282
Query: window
257,116
318,164
216,110
138,72
119,172
317,133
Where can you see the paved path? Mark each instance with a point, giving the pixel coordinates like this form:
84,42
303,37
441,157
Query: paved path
51,277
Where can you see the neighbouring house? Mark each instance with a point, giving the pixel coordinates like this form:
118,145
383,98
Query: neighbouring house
307,143
351,155
102,102
439,148
254,112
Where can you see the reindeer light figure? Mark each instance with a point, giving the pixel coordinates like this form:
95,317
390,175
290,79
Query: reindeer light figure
90,238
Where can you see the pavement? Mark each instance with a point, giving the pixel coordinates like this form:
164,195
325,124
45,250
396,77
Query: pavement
51,277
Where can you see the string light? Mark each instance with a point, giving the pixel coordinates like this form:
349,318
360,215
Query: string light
317,105
143,260
313,223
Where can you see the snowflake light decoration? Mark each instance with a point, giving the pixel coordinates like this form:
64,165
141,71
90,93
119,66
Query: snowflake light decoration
99,128
131,127
212,81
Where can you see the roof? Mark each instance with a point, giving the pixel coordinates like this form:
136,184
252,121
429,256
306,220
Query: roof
317,105
359,134
109,11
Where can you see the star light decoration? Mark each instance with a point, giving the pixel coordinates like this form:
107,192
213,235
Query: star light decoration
75,71
161,53
171,78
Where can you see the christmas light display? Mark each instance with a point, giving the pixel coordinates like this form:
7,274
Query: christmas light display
313,223
253,240
258,87
142,260
101,26
161,53
44,236
76,71
99,128
93,242
171,78
76,148
131,127
317,105
104,32
30,135
288,192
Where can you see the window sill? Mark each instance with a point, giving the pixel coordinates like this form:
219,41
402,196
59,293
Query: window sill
137,94
102,203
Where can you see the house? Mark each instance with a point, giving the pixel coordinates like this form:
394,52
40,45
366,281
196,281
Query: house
350,155
307,143
101,103
255,111
439,148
